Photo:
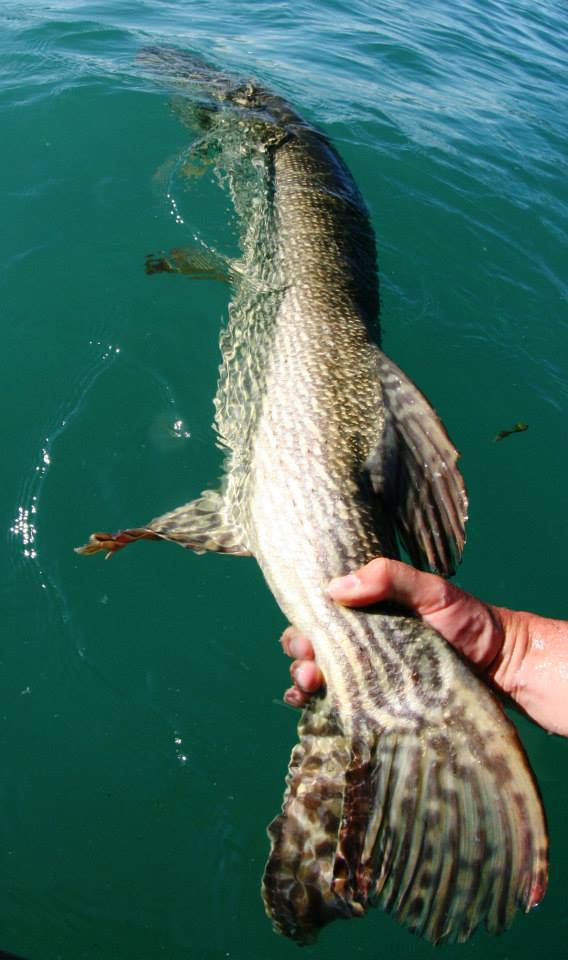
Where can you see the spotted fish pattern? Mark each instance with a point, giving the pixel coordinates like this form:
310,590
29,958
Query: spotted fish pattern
409,788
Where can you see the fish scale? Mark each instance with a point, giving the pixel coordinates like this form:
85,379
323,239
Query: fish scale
409,787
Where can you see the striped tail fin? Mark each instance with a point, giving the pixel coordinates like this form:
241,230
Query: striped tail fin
443,827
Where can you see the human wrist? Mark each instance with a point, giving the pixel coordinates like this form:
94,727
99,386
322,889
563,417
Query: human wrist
506,666
533,668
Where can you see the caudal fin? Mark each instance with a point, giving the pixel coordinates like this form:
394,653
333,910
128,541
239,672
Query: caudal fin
442,828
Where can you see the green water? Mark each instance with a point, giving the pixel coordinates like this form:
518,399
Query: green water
143,739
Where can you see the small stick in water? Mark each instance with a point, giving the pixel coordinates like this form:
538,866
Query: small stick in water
518,428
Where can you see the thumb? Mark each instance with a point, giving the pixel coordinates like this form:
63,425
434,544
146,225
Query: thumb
464,621
383,579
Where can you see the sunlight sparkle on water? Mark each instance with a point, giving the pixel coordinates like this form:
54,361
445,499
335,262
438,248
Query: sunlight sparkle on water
24,528
109,349
180,431
181,756
174,212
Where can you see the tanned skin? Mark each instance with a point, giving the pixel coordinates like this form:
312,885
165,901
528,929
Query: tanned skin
523,655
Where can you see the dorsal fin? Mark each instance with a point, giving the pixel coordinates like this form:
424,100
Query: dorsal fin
414,471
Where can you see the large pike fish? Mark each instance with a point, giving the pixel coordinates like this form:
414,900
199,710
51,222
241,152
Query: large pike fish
409,787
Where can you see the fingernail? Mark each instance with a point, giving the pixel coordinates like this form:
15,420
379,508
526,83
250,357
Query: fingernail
344,586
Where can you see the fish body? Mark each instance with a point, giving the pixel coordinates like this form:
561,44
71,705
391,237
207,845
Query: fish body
409,787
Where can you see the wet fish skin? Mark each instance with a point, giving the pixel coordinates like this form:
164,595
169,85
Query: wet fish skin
409,787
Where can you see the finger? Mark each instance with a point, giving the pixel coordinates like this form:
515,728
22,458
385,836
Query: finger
390,579
306,675
286,638
296,697
307,679
296,645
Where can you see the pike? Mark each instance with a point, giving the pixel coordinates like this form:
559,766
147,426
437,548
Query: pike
409,787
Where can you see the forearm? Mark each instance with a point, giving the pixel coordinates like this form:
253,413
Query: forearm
532,666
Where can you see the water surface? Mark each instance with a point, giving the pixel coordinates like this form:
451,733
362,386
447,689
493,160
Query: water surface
144,743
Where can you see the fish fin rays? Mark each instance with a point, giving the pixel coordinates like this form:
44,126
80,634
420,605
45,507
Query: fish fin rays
197,261
203,263
414,471
200,525
442,828
454,839
297,885
203,525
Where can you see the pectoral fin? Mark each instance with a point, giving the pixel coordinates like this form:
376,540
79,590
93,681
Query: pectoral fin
196,261
200,525
414,471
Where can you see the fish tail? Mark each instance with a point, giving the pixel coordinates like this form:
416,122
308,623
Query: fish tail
442,828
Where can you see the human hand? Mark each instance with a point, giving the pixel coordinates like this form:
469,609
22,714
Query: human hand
524,655
304,671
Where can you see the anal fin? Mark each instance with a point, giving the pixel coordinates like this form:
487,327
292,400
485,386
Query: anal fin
297,883
200,525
